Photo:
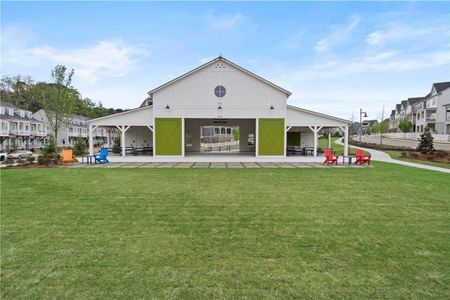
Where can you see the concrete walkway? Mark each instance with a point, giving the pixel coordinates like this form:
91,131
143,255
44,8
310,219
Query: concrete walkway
384,157
218,164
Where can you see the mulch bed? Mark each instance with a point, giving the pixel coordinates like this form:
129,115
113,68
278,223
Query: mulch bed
435,156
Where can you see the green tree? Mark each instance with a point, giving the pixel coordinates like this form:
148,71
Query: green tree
59,100
80,147
20,91
381,128
116,145
405,125
236,133
426,142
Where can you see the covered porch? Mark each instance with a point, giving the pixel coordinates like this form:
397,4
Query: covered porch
134,128
303,128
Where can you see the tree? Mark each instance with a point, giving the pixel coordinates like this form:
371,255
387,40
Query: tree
58,101
80,147
405,125
426,142
381,128
116,145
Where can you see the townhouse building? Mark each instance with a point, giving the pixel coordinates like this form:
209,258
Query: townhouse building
77,126
19,129
431,111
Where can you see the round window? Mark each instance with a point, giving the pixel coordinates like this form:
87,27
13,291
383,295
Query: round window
219,91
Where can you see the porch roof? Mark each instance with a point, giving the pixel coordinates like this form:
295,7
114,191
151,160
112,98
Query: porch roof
296,116
142,116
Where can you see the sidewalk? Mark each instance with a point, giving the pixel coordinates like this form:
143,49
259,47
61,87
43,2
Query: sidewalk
384,157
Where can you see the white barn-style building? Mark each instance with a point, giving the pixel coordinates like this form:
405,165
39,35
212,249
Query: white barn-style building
218,94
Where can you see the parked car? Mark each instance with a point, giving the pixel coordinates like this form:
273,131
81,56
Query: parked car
3,156
20,154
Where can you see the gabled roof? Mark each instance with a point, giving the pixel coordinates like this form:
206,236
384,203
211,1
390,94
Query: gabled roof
440,86
7,104
403,103
318,114
220,58
415,100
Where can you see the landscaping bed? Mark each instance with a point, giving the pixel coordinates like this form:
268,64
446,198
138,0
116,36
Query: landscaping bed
381,147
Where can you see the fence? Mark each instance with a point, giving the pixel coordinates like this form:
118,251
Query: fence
416,135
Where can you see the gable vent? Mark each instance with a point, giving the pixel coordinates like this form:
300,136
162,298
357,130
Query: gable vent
220,66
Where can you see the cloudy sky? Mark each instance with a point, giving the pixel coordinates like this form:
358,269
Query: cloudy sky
334,56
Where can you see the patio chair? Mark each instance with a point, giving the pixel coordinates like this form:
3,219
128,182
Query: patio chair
67,156
361,158
330,158
102,157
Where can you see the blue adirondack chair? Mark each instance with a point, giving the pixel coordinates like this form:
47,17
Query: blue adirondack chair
102,157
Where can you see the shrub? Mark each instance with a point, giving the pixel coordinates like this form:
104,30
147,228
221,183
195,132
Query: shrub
21,161
31,159
80,147
116,145
426,142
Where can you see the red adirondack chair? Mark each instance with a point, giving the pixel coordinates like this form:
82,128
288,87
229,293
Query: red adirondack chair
330,158
361,158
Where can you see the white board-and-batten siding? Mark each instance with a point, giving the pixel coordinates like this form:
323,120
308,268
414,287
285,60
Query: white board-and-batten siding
193,96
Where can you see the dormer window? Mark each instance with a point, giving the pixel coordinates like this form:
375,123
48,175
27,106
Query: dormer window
2,110
11,111
22,113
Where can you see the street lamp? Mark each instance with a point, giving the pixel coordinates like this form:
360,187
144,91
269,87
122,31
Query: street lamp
362,114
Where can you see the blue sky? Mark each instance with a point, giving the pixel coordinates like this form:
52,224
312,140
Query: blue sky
334,56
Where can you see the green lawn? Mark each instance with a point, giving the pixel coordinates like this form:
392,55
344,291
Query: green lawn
379,232
398,155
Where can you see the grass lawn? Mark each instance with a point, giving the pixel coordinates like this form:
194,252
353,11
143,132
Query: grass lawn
380,232
398,155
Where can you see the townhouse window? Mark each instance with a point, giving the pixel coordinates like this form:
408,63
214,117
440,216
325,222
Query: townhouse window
20,126
22,114
11,112
2,110
13,126
4,126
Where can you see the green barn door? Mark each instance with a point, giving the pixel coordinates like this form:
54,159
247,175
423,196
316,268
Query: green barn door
271,137
168,136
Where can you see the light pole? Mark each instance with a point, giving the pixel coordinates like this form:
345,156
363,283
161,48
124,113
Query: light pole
360,122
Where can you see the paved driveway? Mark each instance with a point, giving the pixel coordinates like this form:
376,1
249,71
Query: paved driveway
401,142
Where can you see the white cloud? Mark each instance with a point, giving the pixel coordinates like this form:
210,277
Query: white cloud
227,21
388,61
339,33
395,31
106,58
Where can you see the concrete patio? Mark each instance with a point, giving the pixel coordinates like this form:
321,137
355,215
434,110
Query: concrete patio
215,164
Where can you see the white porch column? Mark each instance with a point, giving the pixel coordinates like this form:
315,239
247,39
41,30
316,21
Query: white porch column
329,139
256,137
346,140
183,142
91,141
108,139
122,140
315,140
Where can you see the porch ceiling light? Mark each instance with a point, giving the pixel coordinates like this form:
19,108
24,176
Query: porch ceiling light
271,107
220,107
167,106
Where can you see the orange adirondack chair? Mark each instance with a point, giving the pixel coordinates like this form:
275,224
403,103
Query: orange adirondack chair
361,158
67,156
330,158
